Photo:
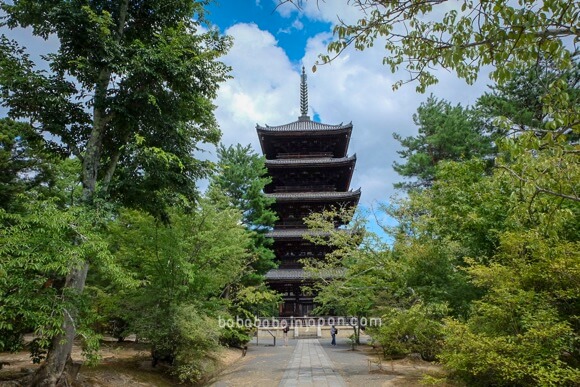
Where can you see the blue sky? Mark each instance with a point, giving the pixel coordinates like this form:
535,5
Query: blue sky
270,47
291,34
271,44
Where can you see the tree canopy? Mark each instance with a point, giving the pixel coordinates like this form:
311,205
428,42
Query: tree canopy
240,180
446,132
129,91
464,36
129,94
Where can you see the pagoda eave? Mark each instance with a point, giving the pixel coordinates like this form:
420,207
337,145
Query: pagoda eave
289,197
315,162
294,234
301,274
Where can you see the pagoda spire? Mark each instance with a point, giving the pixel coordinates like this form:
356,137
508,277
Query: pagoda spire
303,97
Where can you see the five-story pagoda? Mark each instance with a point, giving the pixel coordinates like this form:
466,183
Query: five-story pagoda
310,171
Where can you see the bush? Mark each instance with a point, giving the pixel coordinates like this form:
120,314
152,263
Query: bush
234,337
415,330
531,357
197,337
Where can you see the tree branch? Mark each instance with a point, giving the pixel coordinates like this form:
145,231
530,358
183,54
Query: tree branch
538,188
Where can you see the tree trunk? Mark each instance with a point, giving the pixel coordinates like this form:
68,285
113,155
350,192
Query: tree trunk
51,371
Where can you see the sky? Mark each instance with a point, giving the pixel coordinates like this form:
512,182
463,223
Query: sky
271,44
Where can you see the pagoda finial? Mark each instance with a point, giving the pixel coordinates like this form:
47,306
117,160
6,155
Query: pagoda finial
304,97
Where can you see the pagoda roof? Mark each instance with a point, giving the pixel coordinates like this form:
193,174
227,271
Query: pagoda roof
299,274
304,125
294,233
314,196
298,233
284,274
307,162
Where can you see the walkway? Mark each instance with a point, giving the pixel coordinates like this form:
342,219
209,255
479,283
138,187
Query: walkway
310,366
314,362
304,362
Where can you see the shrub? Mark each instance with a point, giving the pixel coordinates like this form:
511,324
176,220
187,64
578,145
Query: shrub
197,339
414,330
528,359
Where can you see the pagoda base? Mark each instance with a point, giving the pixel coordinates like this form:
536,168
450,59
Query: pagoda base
296,301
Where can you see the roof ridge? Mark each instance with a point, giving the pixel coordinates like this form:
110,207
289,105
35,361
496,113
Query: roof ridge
302,125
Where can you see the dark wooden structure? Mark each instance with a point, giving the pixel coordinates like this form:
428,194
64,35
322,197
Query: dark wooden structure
310,171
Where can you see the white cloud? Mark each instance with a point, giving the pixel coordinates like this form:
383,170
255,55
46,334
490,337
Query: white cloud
297,25
328,11
355,87
262,89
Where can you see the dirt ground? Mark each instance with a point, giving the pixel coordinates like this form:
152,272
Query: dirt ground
366,367
123,364
129,364
407,372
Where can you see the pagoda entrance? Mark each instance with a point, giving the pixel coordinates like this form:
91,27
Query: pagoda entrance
296,309
296,303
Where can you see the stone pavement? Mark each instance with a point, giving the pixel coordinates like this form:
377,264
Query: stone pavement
314,362
304,362
310,366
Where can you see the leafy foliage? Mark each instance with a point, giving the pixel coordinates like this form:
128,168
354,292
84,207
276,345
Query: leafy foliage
515,245
446,132
239,183
37,248
25,163
130,102
519,103
183,270
463,36
129,94
417,329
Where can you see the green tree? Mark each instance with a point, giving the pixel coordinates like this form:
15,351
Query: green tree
365,277
241,177
524,330
350,280
446,132
463,37
37,248
128,93
183,270
514,248
24,162
519,102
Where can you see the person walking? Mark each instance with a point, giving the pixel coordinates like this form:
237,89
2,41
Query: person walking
285,331
333,333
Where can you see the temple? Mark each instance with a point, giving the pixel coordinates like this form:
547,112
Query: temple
311,170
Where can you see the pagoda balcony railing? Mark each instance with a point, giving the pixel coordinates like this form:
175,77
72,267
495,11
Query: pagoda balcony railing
290,224
304,155
306,188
